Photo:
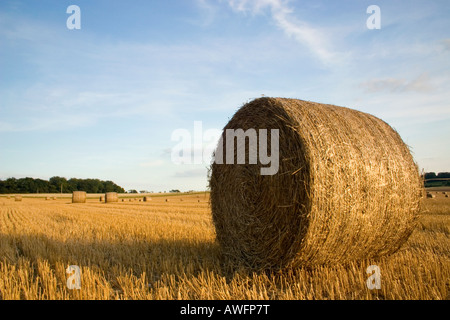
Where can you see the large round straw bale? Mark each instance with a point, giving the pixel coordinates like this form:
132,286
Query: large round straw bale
347,187
79,197
18,197
111,197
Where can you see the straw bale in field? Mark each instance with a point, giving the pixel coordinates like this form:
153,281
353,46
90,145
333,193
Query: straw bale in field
347,188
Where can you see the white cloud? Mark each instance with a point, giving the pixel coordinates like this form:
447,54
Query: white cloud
394,85
446,44
154,163
317,42
208,13
191,173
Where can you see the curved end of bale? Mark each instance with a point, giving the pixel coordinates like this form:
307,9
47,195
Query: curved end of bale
347,187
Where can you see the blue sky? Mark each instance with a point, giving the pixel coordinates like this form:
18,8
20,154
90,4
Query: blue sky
103,101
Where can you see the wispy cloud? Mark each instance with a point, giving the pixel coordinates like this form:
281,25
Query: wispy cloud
317,42
191,173
446,44
420,84
208,13
154,163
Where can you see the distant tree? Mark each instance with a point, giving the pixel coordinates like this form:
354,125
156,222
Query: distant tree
24,185
11,185
174,191
42,186
73,185
443,175
58,184
430,175
132,191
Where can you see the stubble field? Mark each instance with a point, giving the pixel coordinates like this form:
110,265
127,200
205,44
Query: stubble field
167,250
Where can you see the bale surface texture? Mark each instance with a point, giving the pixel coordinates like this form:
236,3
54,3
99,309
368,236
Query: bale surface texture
347,188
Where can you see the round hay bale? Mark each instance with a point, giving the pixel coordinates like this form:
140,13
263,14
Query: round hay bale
18,198
129,200
102,199
430,195
346,189
8,197
167,200
123,200
147,199
446,195
79,197
111,197
54,198
47,198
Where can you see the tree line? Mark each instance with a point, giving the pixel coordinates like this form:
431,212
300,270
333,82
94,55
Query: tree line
440,175
57,185
433,175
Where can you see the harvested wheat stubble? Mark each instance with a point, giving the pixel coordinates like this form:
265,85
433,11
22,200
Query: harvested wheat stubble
79,197
18,198
347,188
111,197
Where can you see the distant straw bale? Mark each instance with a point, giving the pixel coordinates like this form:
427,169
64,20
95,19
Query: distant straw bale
111,197
79,197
